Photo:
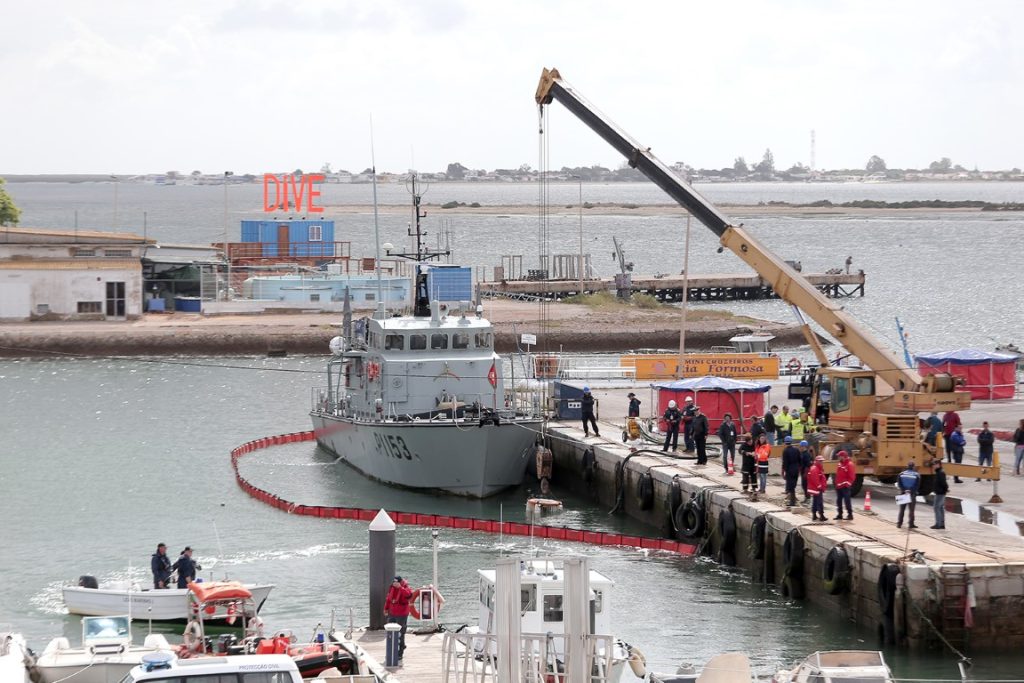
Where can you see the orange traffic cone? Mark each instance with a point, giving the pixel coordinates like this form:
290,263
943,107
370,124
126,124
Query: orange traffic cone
732,468
867,501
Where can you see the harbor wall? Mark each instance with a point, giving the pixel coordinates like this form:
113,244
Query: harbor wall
924,602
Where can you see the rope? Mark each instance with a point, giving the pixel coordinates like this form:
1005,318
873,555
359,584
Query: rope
910,599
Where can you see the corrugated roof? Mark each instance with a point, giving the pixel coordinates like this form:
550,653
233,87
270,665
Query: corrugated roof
72,264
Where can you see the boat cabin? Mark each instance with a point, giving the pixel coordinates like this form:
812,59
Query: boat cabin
542,587
162,666
751,343
851,666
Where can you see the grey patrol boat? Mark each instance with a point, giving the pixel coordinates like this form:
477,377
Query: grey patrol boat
419,400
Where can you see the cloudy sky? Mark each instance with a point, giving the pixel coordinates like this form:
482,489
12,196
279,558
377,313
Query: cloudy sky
264,85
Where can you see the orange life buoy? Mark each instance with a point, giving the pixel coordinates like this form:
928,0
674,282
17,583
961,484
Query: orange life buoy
794,365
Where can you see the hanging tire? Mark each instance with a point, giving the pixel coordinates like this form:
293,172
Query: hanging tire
887,588
675,496
758,528
645,491
793,553
690,519
836,574
858,484
792,587
727,537
589,464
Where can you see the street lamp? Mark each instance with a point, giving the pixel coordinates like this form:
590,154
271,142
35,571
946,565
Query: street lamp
579,179
227,256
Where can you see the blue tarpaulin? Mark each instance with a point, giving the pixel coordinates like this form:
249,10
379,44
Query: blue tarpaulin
712,384
965,357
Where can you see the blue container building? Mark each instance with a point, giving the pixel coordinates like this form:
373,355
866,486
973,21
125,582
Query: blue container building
299,238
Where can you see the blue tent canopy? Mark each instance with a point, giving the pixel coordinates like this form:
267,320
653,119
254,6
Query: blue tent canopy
713,384
965,357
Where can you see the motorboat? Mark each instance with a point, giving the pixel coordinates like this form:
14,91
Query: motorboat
542,587
278,668
15,658
105,655
89,598
859,666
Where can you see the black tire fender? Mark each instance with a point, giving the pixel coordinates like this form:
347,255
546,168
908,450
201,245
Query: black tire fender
887,588
758,529
645,491
589,464
727,537
793,553
690,519
836,572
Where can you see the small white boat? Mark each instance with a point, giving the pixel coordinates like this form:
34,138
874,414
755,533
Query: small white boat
105,656
157,667
15,660
165,604
861,666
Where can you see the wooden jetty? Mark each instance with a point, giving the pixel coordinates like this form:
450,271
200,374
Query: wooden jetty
712,287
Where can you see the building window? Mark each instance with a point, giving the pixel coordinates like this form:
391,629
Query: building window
90,306
84,253
314,297
316,233
370,296
117,253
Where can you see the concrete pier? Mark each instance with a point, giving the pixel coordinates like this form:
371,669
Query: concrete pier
938,571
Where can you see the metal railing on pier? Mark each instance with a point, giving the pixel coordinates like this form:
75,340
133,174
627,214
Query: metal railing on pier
543,658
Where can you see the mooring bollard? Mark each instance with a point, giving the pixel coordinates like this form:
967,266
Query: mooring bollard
391,647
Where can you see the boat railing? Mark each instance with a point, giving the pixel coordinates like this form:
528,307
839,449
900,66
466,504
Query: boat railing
510,406
543,658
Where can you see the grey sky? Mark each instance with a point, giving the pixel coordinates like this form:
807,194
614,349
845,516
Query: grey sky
259,86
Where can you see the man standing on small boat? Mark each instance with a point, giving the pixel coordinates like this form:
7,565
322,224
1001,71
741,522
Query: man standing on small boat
186,567
396,608
160,565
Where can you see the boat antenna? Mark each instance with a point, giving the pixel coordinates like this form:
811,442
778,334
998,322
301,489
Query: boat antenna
381,310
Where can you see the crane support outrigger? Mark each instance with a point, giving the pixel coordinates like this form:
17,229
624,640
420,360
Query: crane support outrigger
873,411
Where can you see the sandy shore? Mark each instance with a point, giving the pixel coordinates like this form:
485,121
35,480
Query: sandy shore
569,328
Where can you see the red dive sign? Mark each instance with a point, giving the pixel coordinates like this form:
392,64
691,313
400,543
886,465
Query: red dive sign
289,192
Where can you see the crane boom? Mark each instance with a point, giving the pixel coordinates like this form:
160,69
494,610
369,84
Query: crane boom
788,284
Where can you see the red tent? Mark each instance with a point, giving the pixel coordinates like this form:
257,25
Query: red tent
716,396
988,375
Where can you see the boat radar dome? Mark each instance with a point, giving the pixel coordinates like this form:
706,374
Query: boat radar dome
479,310
337,346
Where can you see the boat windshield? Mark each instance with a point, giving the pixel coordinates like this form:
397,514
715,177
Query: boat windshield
104,627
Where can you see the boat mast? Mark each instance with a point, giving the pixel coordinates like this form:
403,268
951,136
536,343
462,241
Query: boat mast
381,312
421,296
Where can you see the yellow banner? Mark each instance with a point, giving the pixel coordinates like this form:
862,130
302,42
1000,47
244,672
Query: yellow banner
731,365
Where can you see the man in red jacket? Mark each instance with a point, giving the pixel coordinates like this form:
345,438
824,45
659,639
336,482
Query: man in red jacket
396,608
950,421
817,482
846,473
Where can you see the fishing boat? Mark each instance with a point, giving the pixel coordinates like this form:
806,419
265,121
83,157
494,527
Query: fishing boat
419,400
89,598
105,655
542,596
839,665
15,659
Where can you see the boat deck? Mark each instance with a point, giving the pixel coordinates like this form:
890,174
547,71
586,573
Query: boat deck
422,662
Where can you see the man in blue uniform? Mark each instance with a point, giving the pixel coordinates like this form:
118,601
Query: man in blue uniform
909,482
792,464
186,567
160,565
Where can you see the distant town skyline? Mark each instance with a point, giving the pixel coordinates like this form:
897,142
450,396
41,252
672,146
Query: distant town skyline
273,84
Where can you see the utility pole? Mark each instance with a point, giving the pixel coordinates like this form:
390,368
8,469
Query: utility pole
579,179
686,290
227,254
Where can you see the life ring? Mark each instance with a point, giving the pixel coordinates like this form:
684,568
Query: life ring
836,573
689,519
727,535
793,553
887,588
793,587
637,662
193,637
645,491
373,371
755,548
794,365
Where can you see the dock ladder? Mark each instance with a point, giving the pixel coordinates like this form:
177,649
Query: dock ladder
954,581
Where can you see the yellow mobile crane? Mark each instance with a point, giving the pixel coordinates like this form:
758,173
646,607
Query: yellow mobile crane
873,411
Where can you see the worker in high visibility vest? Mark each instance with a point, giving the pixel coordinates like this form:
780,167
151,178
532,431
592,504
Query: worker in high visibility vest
782,423
802,426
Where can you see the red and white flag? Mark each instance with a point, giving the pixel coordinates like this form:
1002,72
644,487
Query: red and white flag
492,376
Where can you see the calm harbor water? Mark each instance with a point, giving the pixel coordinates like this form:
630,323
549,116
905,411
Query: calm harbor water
103,458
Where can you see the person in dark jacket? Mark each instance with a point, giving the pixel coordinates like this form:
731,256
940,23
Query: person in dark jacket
587,404
748,463
934,426
941,489
634,405
727,435
673,416
806,460
1018,448
699,429
160,565
769,424
688,414
955,445
792,463
950,421
908,482
986,446
757,429
185,567
397,606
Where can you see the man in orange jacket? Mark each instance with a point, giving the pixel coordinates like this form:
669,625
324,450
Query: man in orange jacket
846,474
397,606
